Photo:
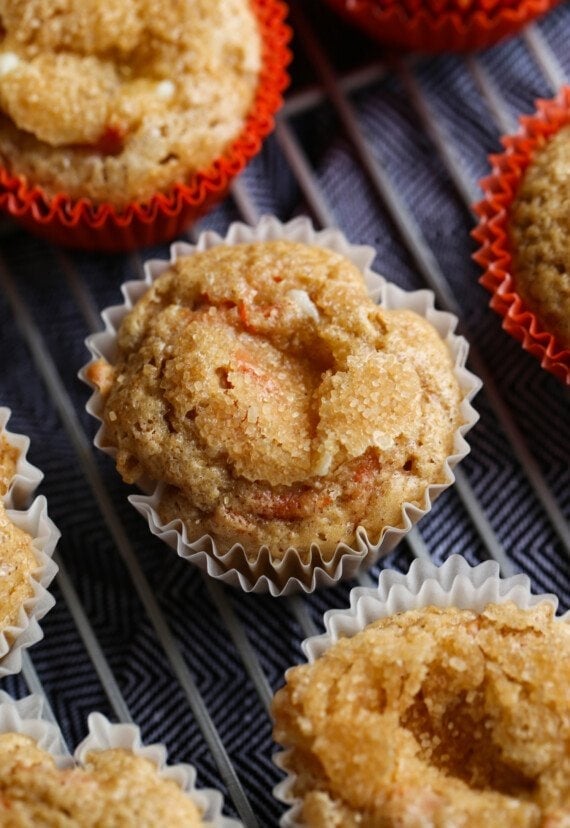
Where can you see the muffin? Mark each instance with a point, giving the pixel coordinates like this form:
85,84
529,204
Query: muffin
112,779
280,409
115,105
27,541
523,232
435,26
539,228
114,787
435,715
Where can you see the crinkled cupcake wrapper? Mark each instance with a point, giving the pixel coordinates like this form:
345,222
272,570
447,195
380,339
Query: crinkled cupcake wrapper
25,716
494,254
457,30
35,521
289,574
80,223
454,584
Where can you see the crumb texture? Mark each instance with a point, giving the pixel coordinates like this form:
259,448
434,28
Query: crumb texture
17,564
114,789
116,101
8,463
279,403
540,236
434,718
17,557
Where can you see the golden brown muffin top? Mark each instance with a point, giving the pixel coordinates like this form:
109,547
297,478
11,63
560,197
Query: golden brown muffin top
434,717
540,236
114,789
8,462
17,563
115,101
276,399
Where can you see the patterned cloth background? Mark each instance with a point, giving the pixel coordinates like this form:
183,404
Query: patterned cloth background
136,594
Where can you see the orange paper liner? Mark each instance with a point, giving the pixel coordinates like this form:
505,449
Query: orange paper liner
81,223
419,26
494,253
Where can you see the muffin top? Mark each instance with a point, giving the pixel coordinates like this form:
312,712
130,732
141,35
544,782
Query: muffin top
17,563
434,717
115,788
8,462
276,400
116,101
539,226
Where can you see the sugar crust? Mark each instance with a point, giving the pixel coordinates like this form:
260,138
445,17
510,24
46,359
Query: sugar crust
113,788
8,463
17,557
117,101
434,717
277,401
539,224
17,564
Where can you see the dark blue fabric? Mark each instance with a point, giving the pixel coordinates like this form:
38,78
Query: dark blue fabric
536,400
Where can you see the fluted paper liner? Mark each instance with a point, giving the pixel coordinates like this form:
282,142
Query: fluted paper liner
454,584
427,27
82,223
35,521
25,716
494,253
289,574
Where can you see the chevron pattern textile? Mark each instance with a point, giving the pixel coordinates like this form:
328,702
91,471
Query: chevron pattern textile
136,631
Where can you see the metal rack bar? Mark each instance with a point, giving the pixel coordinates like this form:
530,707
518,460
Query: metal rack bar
102,668
545,57
35,686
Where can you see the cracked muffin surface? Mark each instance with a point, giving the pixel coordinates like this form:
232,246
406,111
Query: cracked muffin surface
434,718
278,403
113,788
539,224
115,102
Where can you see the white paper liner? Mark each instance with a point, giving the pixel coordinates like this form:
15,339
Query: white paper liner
25,716
35,521
289,574
455,583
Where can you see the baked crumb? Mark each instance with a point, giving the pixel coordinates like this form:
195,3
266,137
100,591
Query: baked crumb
115,788
17,564
539,227
434,717
279,403
8,462
117,101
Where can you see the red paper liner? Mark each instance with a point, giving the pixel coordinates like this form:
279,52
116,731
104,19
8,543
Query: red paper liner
80,223
425,28
492,232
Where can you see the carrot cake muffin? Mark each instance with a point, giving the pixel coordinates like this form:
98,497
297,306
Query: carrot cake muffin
116,101
278,403
17,563
539,226
114,788
434,717
8,461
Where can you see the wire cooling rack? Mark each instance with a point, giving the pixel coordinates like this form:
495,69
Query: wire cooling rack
390,150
